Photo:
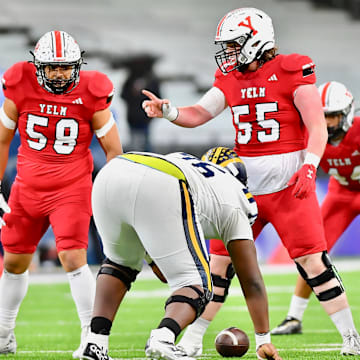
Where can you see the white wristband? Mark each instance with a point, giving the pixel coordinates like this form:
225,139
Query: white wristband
106,127
261,339
312,159
169,112
7,122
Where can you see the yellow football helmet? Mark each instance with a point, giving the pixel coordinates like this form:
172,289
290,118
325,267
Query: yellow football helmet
228,159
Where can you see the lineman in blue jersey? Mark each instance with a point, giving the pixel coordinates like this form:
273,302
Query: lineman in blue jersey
163,205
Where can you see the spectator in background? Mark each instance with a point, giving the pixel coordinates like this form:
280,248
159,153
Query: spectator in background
141,76
57,109
275,104
341,160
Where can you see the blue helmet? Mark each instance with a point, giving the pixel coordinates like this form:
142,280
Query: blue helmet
229,160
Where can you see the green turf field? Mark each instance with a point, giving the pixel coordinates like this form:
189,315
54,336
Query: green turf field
48,327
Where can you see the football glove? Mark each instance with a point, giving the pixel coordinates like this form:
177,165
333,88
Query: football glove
303,181
3,206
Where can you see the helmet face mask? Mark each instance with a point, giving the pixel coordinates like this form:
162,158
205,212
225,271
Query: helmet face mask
337,101
343,124
57,49
249,31
229,160
230,57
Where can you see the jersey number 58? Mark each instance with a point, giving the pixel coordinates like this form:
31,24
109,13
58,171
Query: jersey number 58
66,134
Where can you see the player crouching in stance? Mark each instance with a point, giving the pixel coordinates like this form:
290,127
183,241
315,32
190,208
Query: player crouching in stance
163,205
56,108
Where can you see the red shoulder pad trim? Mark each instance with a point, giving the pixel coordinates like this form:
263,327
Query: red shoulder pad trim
100,85
297,62
14,74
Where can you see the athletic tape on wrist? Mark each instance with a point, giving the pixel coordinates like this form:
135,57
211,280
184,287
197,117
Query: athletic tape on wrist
7,122
169,112
106,127
261,339
312,159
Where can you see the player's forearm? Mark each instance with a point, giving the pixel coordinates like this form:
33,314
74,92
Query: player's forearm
244,259
258,309
192,116
6,136
111,143
317,140
211,104
307,101
8,125
254,291
4,155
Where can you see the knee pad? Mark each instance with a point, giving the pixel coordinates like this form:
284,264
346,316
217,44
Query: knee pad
197,304
324,277
123,273
224,283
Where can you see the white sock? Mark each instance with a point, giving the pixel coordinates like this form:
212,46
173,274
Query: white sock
343,321
82,286
15,287
298,306
195,332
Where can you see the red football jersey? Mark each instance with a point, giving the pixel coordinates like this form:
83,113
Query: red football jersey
342,162
55,130
265,118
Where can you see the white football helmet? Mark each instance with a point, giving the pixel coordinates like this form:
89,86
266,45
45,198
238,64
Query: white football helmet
57,48
251,30
337,100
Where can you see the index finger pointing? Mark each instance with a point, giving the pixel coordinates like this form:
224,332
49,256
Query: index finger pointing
150,95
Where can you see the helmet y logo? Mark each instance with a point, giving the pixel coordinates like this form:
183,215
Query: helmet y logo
248,25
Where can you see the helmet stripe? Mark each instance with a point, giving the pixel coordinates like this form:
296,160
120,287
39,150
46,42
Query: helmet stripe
219,27
230,161
58,44
324,94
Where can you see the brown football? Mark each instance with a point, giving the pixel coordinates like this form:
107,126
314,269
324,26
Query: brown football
232,342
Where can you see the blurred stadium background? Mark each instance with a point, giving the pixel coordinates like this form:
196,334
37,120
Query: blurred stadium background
180,36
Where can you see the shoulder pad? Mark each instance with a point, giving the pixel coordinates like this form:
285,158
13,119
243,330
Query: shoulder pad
297,62
100,85
14,74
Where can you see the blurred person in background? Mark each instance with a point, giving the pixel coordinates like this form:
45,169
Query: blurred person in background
57,109
280,134
341,205
140,76
172,202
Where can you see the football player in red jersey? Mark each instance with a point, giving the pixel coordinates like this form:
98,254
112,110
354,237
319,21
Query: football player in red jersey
56,108
280,134
341,160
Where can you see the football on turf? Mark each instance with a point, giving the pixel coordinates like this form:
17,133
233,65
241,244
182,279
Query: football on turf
232,342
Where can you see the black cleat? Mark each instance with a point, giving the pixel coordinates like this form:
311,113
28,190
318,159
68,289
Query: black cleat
95,352
288,327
